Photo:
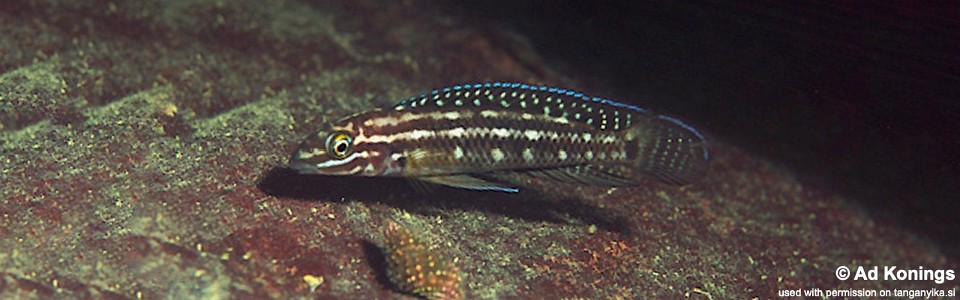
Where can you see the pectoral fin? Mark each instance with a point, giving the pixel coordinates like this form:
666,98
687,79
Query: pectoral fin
469,182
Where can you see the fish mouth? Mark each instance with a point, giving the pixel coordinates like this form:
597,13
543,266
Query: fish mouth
301,166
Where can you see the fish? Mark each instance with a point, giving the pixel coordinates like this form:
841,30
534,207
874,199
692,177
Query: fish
469,135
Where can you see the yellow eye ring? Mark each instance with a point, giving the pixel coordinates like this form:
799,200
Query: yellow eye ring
339,145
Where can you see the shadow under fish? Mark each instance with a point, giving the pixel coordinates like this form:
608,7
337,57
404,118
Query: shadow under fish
530,204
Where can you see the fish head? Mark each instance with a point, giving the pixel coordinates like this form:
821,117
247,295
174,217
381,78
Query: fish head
335,149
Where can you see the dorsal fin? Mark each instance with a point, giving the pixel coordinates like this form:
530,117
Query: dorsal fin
574,106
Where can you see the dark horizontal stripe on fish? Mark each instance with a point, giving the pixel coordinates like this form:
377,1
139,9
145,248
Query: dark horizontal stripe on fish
494,139
449,135
412,126
481,152
390,122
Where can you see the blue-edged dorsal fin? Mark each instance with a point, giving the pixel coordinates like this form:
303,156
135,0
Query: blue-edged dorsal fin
554,102
468,182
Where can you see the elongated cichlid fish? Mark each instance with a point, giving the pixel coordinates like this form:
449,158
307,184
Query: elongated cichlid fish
462,136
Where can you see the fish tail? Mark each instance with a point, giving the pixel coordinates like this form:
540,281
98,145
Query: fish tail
670,150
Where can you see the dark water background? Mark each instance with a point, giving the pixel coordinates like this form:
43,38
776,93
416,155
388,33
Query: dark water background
144,147
861,96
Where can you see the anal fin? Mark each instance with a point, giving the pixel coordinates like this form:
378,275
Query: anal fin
465,181
596,175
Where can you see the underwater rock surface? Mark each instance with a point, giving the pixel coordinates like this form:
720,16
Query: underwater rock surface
143,143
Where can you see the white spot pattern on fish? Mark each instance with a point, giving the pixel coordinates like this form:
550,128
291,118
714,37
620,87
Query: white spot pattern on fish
451,135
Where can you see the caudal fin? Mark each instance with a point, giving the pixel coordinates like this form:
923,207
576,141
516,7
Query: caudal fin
672,151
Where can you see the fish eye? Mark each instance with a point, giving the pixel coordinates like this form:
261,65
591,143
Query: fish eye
338,145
